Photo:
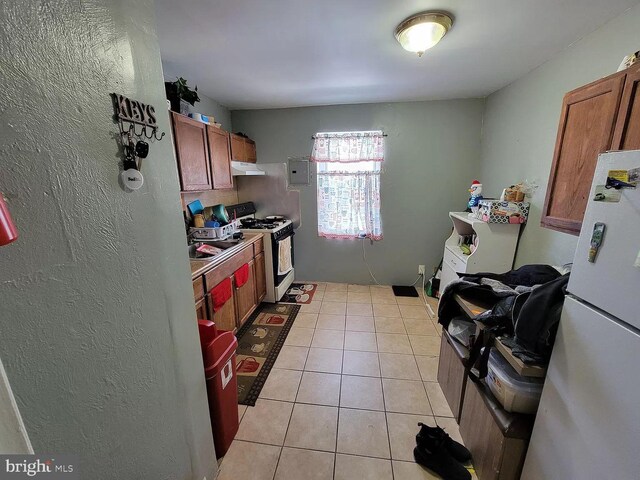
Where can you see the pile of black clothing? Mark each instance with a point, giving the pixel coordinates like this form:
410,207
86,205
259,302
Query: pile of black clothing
526,306
438,452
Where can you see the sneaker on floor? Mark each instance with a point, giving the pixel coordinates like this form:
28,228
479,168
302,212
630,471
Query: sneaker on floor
434,435
440,461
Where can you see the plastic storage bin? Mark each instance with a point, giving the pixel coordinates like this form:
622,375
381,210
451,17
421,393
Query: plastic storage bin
515,392
219,357
462,329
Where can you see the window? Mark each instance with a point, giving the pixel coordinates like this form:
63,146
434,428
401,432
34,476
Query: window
349,168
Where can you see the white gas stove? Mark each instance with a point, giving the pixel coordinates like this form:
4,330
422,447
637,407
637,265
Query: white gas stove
278,246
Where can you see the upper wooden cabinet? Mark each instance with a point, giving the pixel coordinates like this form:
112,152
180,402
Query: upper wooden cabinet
220,153
627,133
243,149
237,148
204,154
603,115
190,139
250,150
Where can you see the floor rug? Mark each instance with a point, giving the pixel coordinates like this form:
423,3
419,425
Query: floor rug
259,342
400,291
300,293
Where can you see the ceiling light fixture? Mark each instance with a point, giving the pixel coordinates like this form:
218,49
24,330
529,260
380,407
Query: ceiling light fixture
422,31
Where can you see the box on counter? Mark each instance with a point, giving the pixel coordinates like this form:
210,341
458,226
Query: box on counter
495,211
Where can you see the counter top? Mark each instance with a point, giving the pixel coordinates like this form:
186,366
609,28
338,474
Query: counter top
200,267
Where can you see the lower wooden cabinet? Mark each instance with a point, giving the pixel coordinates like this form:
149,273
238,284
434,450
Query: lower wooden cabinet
201,309
246,296
451,372
261,279
497,439
199,297
244,300
225,317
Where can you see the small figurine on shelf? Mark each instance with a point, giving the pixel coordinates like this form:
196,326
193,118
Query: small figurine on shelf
476,195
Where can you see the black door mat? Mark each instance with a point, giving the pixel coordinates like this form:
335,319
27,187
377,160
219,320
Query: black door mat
401,291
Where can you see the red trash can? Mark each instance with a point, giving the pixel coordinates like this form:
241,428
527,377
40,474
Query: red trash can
222,389
208,332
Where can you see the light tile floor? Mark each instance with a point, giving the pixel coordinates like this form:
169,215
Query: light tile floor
356,375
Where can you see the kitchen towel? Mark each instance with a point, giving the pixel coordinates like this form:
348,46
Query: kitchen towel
242,275
221,293
284,256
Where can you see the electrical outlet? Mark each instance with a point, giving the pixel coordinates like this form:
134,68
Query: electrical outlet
420,269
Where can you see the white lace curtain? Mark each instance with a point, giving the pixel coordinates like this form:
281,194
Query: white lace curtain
347,147
349,167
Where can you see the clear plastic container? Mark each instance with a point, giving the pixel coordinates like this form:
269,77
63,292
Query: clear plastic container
515,392
461,329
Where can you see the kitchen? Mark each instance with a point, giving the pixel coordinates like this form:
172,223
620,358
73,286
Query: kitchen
101,318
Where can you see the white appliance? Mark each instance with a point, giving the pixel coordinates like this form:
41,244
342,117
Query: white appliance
278,248
245,169
495,247
588,422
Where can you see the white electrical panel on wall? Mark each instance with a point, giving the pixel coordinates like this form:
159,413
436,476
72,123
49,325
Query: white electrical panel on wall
299,171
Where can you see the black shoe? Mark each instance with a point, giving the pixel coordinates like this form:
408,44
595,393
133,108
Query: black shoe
440,461
437,434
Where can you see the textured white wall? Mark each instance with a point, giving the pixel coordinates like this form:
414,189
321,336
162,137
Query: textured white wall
99,338
431,158
521,122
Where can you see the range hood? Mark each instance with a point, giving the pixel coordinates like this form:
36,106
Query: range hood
245,168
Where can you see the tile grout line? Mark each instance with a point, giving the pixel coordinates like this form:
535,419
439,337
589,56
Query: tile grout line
335,455
339,401
290,417
384,405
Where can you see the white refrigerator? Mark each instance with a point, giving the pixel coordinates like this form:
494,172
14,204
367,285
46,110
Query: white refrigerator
588,422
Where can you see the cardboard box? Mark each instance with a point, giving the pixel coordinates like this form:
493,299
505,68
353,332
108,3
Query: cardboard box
495,211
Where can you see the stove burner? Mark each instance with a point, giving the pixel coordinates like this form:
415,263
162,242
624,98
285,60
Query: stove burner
261,225
268,223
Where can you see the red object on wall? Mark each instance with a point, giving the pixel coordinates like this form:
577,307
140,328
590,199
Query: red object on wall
8,231
222,389
242,275
221,293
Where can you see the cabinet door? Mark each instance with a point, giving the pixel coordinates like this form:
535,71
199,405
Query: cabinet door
220,158
586,130
246,297
261,280
225,317
627,133
201,309
193,154
250,150
237,148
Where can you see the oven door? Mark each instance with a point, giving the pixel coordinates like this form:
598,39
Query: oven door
282,257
